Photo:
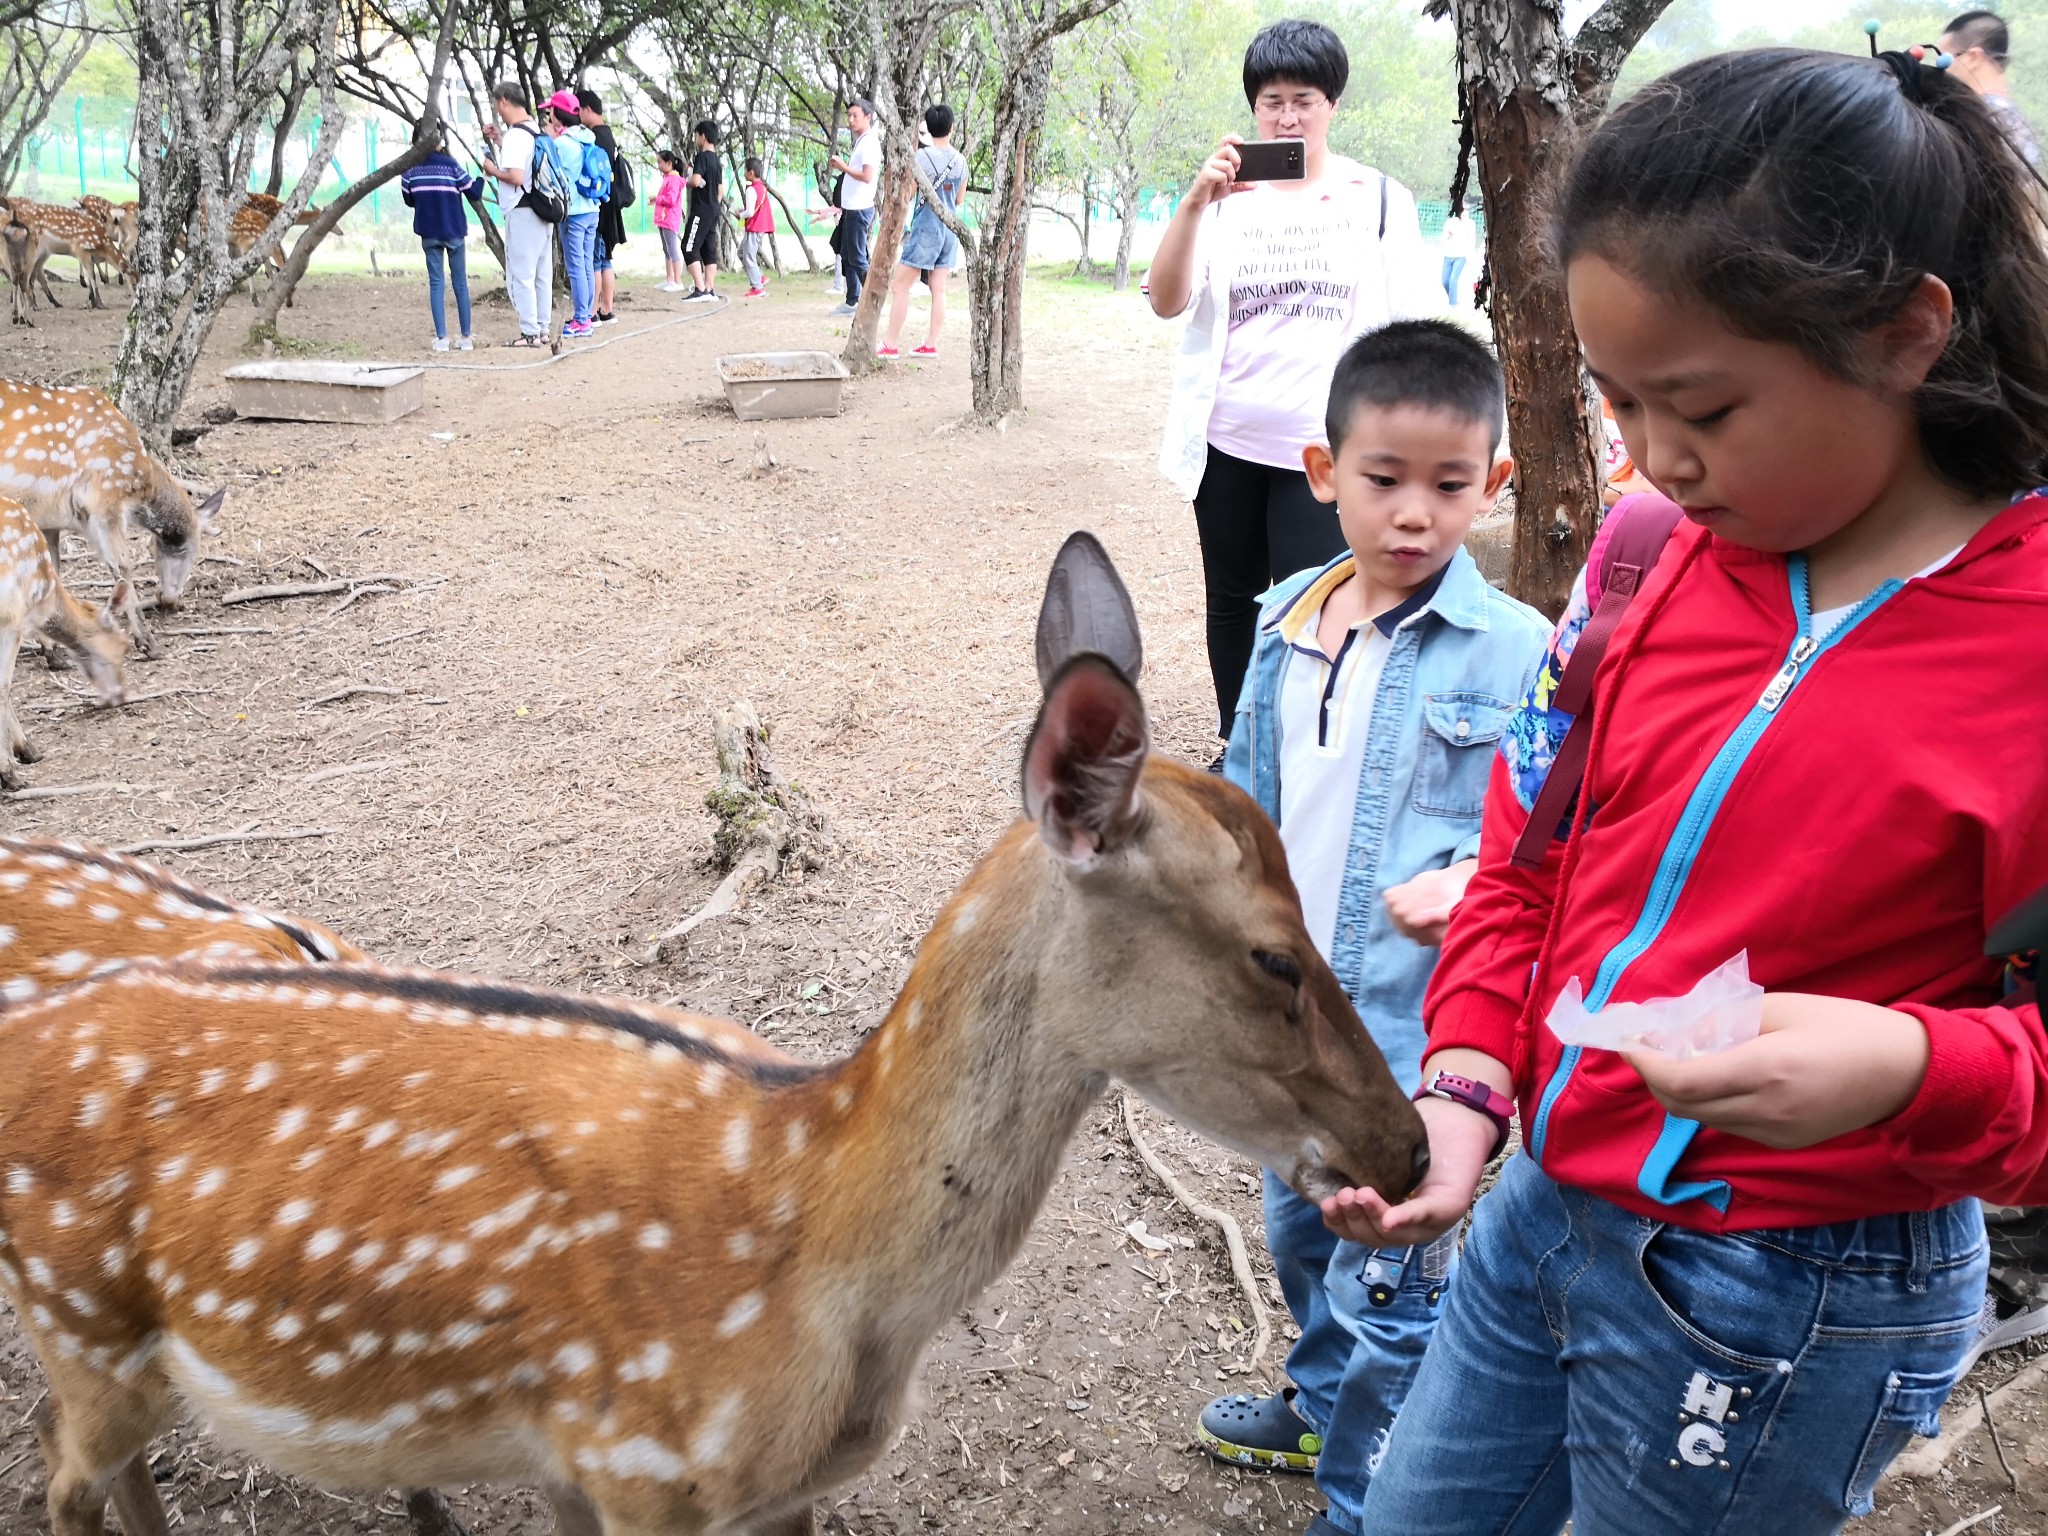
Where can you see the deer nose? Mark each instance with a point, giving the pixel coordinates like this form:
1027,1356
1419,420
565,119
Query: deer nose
1418,1166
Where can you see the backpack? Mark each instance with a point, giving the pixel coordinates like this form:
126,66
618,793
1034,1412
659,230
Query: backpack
1624,552
623,193
594,178
547,194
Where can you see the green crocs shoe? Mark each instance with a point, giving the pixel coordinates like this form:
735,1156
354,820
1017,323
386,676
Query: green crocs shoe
1260,1432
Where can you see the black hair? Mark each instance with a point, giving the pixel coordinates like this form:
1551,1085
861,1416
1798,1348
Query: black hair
1981,29
1306,52
565,117
589,100
938,120
708,129
669,155
863,103
1435,364
512,91
754,167
1804,196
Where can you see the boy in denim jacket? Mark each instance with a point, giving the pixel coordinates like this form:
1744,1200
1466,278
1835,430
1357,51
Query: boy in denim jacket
1378,688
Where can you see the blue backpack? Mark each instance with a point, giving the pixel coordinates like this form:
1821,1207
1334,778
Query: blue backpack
594,181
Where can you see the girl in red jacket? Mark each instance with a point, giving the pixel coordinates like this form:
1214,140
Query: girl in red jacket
1718,1295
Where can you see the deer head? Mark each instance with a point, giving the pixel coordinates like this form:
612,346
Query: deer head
1177,903
177,527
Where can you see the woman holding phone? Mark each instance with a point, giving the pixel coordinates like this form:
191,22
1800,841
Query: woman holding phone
1276,277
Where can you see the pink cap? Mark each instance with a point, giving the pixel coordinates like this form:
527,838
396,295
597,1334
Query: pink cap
565,101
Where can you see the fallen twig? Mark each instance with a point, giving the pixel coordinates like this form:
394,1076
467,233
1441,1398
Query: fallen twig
1223,1221
65,791
1970,1521
93,701
302,588
403,634
350,692
246,833
343,770
24,1456
1991,1428
369,590
1928,1459
222,629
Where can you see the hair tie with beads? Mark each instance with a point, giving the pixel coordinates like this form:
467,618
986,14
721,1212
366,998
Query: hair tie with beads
1908,66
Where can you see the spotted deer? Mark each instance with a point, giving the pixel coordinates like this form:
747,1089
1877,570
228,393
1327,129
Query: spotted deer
76,461
117,224
69,232
33,600
17,242
385,1227
249,222
73,911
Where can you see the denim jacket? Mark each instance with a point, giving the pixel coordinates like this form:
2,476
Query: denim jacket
1457,667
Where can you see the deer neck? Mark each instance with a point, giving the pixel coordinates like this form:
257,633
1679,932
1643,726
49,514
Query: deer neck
959,1105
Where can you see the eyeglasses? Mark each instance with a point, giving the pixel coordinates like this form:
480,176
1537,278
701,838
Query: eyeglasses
1301,101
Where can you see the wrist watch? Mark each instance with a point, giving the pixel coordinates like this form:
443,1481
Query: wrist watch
1489,1101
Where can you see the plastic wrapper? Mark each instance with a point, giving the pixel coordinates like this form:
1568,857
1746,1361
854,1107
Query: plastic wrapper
1724,1008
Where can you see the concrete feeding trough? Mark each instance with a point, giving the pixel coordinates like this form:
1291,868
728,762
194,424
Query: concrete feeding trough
771,386
322,391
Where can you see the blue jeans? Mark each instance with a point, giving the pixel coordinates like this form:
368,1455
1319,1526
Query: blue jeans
1454,268
1366,1316
853,249
579,250
437,283
1638,1378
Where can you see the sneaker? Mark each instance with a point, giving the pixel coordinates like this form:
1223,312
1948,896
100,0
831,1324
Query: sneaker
1215,765
924,351
577,328
464,344
668,287
755,293
2016,1304
886,350
703,296
1260,1432
440,343
844,309
607,318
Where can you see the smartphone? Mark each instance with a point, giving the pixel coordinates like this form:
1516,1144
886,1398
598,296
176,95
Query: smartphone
1272,160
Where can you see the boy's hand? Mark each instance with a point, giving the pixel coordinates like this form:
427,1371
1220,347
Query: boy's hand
1822,1067
1217,178
1460,1140
1421,908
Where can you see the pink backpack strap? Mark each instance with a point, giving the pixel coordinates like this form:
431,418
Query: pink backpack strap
1623,554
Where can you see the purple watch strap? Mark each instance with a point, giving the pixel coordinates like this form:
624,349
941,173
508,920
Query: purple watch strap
1489,1101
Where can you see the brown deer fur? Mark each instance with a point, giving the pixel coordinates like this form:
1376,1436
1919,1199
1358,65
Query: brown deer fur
71,911
32,599
386,1227
76,461
72,232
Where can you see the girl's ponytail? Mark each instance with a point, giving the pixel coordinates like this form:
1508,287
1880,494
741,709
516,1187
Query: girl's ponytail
1804,196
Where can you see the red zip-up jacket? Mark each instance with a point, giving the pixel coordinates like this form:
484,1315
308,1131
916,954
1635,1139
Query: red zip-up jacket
1854,812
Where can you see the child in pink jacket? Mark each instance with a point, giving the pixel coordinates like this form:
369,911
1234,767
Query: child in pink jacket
668,218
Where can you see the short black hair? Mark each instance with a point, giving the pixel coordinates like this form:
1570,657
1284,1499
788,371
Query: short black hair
589,100
863,103
755,167
708,129
938,120
1303,51
1435,364
564,116
1981,29
512,91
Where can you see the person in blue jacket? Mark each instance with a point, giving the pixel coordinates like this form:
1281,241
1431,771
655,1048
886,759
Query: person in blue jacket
434,190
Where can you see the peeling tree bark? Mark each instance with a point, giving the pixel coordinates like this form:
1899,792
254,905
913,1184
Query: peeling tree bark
1530,90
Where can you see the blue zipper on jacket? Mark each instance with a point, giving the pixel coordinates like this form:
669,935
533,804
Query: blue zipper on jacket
1674,865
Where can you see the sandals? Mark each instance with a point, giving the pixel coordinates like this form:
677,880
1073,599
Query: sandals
529,343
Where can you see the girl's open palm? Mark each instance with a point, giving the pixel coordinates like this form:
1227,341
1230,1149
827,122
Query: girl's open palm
1460,1140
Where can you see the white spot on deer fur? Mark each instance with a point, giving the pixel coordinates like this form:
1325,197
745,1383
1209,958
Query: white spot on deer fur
378,1134
441,1400
308,1158
794,1135
19,1180
491,1223
63,1215
209,1183
428,1143
113,1261
710,1079
463,1334
742,1314
740,1245
494,1298
715,1435
567,1411
133,1068
294,1212
327,1240
212,1080
527,1374
290,1123
18,989
347,1120
348,1066
651,1364
409,1343
327,1363
363,1345
455,1178
783,1211
653,1237
261,1076
161,1106
738,1145
84,1057
206,1303
105,911
69,963
575,1359
644,1457
172,1168
450,1255
92,1109
368,1254
239,1312
60,897
287,1328
244,1253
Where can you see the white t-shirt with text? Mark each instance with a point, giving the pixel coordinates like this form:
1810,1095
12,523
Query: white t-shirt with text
855,194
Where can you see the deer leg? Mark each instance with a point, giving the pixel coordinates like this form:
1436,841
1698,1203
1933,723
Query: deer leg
92,1431
137,1503
575,1515
803,1522
13,744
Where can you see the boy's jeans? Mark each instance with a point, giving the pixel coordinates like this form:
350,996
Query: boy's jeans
853,252
437,283
1638,1379
529,272
1356,1359
579,250
750,257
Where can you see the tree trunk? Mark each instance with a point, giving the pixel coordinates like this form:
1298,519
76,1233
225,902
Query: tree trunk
892,213
995,271
1127,229
1085,267
796,227
287,120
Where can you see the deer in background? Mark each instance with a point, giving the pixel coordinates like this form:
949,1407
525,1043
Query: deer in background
386,1227
76,461
69,232
119,225
249,222
32,599
17,241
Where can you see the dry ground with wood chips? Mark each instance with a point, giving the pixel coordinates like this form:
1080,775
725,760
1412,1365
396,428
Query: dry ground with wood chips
575,565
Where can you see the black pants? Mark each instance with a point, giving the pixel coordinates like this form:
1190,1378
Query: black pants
1257,525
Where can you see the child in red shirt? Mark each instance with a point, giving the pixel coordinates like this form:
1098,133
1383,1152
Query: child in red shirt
758,223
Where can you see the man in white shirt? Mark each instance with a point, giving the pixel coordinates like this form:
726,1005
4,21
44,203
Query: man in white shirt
860,176
529,239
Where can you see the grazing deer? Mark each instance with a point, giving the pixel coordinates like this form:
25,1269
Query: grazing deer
117,245
247,227
385,1227
77,462
33,599
72,911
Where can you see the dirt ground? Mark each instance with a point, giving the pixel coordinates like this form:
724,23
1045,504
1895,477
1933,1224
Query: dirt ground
574,565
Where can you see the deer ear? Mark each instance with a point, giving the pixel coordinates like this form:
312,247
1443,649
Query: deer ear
209,512
1082,763
1086,608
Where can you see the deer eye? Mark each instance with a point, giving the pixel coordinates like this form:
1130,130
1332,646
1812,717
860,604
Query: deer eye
1280,967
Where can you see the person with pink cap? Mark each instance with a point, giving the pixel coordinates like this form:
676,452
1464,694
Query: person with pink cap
579,229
